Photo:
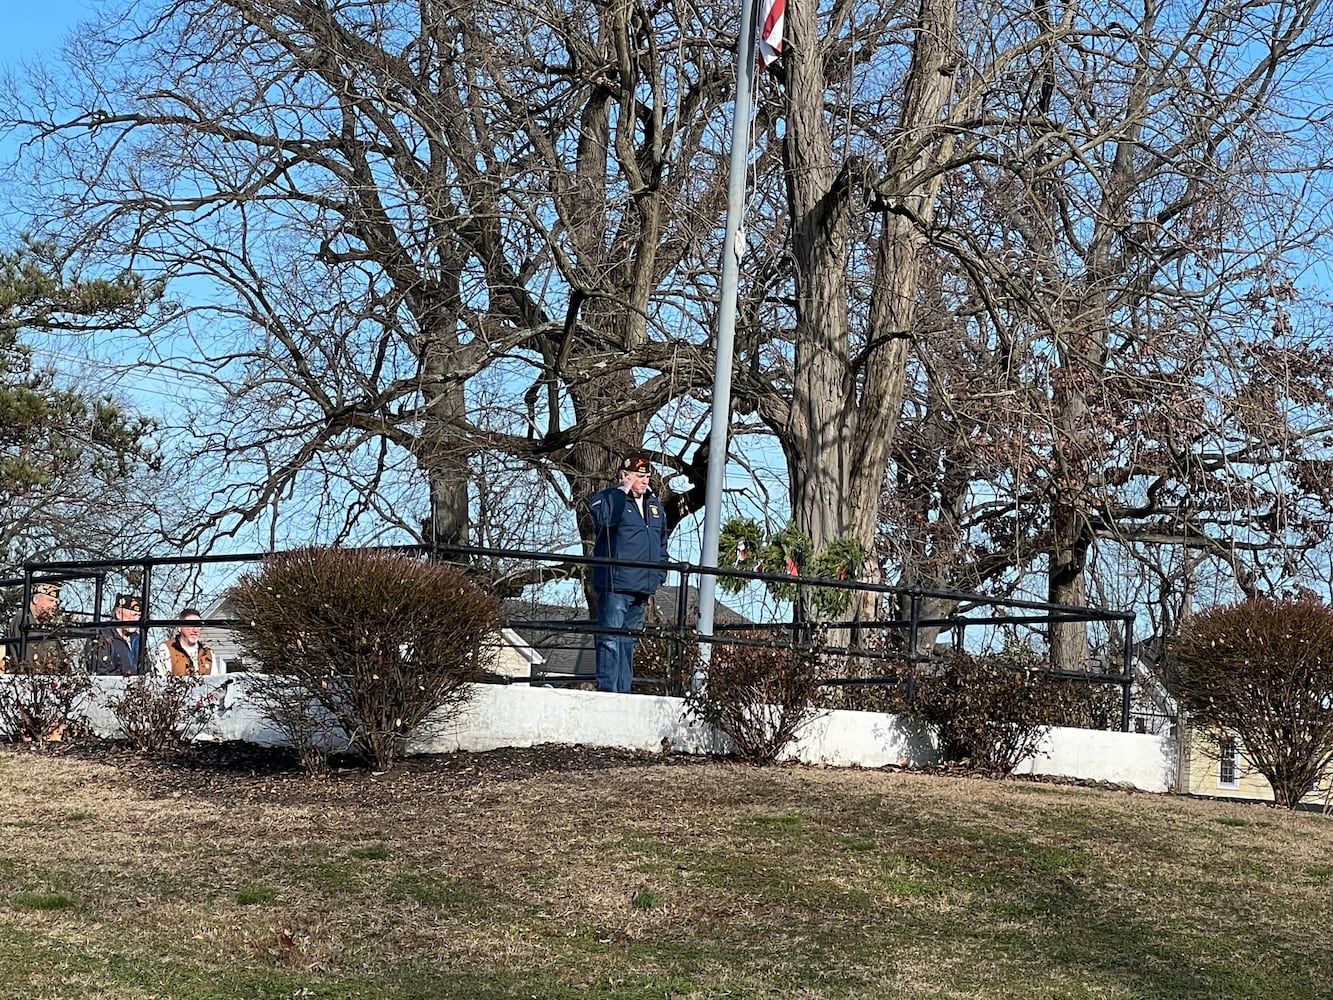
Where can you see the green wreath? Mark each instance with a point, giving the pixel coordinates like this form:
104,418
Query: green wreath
840,560
788,551
739,546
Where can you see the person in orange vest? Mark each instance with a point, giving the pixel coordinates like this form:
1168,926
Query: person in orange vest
185,653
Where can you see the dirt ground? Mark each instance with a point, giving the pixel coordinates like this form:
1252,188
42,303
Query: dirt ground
238,771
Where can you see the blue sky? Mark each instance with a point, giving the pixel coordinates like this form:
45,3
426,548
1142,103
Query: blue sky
33,27
33,33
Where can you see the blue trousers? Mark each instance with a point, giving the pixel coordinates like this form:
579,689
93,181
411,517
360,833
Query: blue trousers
615,653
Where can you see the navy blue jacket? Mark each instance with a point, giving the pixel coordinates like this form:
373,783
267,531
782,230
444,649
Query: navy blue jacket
622,533
112,654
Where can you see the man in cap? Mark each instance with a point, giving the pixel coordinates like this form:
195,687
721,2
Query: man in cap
630,524
43,655
115,651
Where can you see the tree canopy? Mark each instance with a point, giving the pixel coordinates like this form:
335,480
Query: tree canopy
68,453
1024,301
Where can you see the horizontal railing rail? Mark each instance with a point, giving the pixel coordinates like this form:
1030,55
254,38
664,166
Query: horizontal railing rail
903,626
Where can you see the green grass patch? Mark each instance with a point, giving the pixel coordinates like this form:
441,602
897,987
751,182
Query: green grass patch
859,844
438,891
779,824
255,895
646,899
43,901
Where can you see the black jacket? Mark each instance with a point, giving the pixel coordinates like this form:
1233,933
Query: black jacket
45,654
111,655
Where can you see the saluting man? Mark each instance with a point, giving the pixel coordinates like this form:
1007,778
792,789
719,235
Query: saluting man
630,524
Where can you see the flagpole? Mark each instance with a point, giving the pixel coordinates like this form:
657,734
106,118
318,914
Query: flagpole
732,248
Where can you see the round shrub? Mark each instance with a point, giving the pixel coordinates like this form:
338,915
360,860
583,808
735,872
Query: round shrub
1263,670
988,712
383,642
759,695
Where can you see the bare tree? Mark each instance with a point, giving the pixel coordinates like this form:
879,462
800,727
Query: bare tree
1110,353
368,207
835,397
442,242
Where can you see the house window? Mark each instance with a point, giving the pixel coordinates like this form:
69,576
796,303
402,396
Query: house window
1228,772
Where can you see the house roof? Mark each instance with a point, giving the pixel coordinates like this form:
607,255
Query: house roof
558,632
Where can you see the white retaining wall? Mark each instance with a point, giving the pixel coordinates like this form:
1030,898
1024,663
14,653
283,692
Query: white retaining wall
520,716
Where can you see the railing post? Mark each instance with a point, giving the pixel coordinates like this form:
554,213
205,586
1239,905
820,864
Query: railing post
1127,674
99,591
677,656
23,614
913,620
145,591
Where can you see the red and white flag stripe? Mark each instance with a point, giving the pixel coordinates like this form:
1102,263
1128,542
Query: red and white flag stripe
768,39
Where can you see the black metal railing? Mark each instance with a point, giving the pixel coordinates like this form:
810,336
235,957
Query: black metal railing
894,640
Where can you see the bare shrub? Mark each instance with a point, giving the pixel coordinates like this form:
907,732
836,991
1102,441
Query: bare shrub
39,708
1263,670
43,695
157,714
665,665
759,696
871,683
1084,705
307,726
382,641
987,712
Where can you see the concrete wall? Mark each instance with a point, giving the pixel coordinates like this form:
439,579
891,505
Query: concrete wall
1142,760
520,715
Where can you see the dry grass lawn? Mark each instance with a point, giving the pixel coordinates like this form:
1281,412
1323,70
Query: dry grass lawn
575,876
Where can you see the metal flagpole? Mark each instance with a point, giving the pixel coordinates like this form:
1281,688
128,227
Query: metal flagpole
726,332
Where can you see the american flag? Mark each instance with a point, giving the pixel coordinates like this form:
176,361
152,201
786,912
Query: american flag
768,44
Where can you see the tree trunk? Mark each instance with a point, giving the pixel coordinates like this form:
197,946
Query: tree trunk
845,408
1071,535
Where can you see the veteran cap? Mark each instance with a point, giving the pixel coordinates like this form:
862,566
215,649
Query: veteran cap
130,602
638,462
47,587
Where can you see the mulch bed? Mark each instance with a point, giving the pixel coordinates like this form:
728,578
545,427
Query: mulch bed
240,771
236,770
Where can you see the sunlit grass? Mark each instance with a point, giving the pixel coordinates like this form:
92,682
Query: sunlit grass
701,881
